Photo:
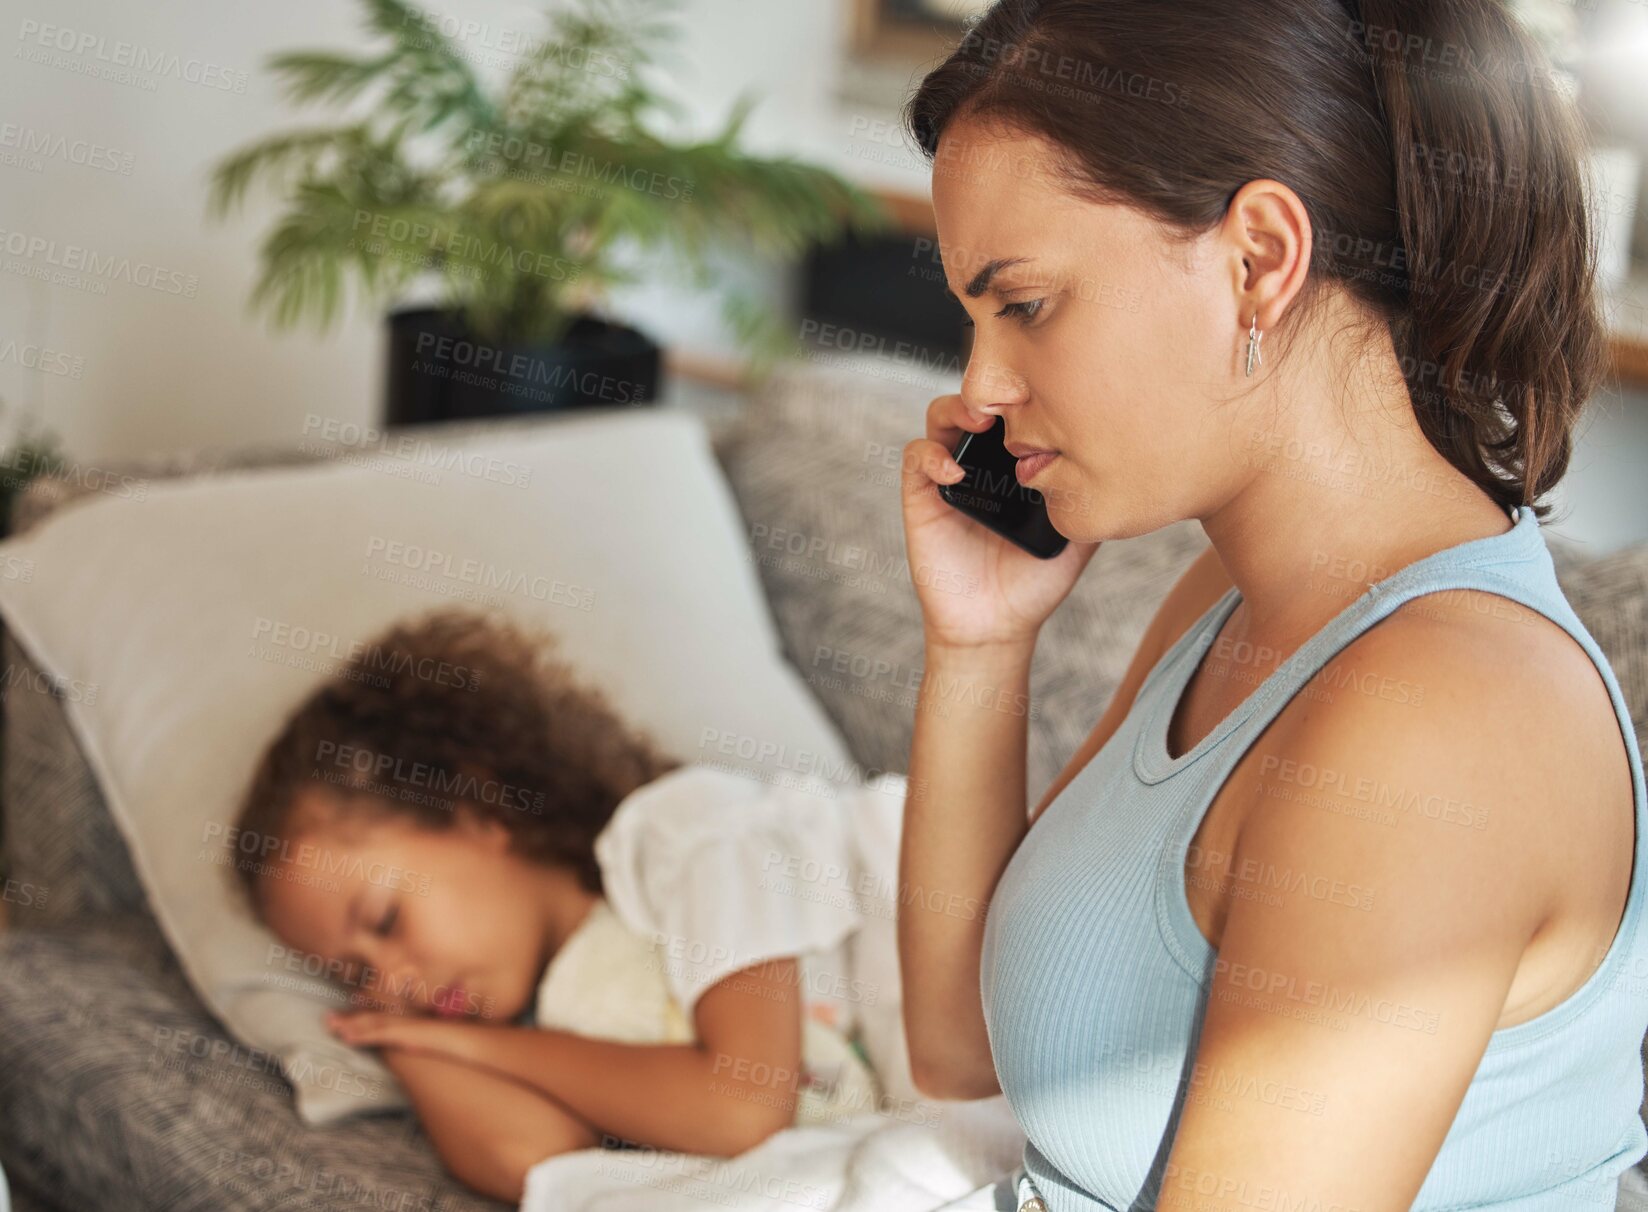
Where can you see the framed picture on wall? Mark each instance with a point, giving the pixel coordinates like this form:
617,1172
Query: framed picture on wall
910,29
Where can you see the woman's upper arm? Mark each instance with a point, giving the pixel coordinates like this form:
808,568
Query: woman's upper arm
1201,584
1326,1013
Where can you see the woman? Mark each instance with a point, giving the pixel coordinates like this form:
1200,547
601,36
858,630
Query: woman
1334,906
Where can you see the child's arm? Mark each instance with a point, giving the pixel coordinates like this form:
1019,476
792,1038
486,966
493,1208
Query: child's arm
722,1095
487,1130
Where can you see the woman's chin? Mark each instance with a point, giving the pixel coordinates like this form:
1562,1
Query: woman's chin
1064,493
1072,516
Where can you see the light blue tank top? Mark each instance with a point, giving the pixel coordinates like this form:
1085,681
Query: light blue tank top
1095,977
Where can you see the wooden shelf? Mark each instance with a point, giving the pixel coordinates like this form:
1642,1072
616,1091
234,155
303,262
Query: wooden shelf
708,369
1626,308
912,213
1630,363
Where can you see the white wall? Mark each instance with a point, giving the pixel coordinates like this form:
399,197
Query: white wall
134,370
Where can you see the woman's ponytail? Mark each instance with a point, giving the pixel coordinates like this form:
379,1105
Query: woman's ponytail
1437,151
1501,340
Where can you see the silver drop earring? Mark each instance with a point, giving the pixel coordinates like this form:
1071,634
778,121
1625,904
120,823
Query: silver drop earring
1254,339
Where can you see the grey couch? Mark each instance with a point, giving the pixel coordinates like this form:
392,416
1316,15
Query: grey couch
94,1116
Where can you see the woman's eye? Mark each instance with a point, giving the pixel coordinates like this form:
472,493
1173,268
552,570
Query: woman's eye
1024,312
388,922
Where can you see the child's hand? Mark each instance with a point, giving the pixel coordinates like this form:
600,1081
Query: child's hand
378,1029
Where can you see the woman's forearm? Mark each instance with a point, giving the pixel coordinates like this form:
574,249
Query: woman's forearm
488,1130
664,1096
964,815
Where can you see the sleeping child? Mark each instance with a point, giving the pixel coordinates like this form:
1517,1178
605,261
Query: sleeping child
557,937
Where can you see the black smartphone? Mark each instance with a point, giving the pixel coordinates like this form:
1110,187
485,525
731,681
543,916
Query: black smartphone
990,493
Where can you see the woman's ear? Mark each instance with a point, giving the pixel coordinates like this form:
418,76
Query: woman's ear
1269,239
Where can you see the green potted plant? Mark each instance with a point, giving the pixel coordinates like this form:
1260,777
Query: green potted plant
521,202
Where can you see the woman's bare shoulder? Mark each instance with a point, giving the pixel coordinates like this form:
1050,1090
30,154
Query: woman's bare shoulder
1468,708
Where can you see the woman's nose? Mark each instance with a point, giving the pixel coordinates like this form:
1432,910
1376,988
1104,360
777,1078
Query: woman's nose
991,386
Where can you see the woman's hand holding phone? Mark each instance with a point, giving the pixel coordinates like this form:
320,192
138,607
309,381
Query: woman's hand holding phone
966,810
1011,592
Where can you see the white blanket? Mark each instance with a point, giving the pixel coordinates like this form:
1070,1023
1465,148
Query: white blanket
910,1155
870,1163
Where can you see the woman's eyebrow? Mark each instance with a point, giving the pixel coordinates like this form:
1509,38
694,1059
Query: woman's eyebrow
981,280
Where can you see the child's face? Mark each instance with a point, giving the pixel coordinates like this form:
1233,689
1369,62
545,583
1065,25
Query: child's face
428,921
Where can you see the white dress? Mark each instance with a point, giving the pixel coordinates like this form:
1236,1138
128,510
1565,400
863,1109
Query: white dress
707,872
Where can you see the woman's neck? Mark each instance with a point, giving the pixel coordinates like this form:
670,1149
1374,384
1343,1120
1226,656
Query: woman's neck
1347,489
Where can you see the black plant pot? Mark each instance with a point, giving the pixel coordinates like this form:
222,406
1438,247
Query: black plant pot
440,371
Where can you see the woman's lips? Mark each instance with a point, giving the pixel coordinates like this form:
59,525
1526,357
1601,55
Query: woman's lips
453,1004
1030,466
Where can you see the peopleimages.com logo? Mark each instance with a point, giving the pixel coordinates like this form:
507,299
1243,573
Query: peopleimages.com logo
79,259
43,42
49,145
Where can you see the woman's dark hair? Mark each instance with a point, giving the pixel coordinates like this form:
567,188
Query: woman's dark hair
1435,148
453,710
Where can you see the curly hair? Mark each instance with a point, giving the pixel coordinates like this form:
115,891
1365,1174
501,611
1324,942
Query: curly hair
452,710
